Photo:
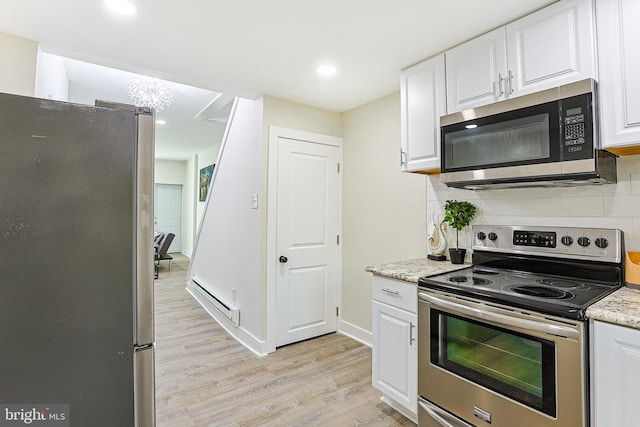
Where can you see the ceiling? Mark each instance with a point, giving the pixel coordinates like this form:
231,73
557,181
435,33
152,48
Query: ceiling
252,47
193,122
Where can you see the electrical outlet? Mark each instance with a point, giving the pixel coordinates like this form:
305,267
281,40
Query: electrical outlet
233,294
254,201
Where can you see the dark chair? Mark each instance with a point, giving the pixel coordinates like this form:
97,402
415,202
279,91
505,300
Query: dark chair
157,238
161,253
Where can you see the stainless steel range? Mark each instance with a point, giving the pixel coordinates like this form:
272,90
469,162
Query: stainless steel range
504,342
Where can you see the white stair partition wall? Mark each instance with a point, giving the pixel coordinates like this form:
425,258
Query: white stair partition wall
227,256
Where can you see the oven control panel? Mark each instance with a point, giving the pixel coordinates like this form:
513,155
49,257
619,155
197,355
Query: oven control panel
601,244
543,239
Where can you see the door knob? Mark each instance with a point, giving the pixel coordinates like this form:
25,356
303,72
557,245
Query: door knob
283,259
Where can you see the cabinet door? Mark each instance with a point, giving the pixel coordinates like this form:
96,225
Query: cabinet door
619,84
616,375
476,71
394,358
551,47
422,95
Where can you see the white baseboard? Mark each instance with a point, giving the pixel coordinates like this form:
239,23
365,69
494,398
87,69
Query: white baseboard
355,332
259,348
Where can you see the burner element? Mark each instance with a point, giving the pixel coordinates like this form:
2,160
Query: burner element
518,278
480,271
562,283
540,291
472,280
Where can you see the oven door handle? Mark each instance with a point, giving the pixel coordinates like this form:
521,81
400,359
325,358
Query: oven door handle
504,320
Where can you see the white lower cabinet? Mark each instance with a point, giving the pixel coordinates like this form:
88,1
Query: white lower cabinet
615,375
395,357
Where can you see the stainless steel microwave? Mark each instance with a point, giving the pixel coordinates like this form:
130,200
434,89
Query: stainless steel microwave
548,138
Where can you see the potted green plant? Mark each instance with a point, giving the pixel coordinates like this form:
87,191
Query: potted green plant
458,215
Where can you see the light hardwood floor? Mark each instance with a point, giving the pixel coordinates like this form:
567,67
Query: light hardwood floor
205,378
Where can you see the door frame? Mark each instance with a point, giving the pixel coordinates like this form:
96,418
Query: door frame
275,133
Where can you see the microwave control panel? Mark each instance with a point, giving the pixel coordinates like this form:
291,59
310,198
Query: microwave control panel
576,127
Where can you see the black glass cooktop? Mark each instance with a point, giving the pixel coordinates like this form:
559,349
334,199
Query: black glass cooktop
561,296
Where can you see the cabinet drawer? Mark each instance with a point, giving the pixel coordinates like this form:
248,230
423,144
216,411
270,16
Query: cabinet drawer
396,293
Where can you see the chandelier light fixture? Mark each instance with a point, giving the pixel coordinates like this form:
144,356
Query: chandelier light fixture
148,92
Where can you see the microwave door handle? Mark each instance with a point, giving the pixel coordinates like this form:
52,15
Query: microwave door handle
501,319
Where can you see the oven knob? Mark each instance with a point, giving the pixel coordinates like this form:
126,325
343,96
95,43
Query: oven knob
481,235
493,236
566,240
601,242
584,241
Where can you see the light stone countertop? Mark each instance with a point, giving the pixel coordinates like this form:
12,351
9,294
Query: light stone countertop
413,269
621,308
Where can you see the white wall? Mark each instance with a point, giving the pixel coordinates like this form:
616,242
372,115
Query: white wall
286,114
228,253
51,77
18,70
383,208
169,172
606,206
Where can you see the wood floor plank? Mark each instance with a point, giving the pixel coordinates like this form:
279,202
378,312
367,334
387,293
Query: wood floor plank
205,378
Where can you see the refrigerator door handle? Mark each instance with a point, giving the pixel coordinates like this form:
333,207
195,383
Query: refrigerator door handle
144,390
145,333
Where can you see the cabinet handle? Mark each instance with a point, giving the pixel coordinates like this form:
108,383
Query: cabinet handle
390,291
500,80
411,338
510,82
403,155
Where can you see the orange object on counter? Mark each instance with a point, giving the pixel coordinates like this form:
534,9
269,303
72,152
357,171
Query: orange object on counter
632,267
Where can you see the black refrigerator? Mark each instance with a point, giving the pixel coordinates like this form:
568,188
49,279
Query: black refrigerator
76,264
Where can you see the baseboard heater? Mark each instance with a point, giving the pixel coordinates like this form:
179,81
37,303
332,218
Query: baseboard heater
227,309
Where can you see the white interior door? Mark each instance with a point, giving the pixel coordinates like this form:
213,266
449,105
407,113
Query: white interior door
168,210
307,239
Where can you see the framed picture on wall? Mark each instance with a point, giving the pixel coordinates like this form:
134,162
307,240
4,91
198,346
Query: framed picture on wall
205,181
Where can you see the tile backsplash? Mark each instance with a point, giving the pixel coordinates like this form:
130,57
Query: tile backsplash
604,206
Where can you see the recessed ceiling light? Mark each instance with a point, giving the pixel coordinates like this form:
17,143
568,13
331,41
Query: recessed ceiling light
326,70
122,7
161,122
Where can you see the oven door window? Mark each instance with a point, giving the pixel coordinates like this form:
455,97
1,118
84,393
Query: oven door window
517,366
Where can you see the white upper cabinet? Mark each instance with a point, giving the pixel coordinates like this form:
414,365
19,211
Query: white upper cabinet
553,46
422,95
619,74
476,71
